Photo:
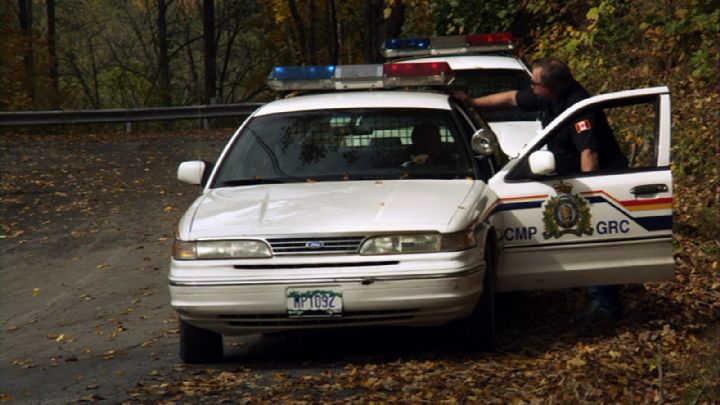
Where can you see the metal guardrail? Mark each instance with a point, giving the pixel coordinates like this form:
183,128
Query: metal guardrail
33,118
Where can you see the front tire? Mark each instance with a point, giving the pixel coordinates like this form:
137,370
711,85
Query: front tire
199,345
479,329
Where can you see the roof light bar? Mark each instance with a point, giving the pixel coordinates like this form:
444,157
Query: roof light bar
447,45
350,77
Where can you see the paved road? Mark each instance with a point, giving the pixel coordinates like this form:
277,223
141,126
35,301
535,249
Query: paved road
87,225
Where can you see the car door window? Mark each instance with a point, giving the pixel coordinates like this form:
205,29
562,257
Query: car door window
634,126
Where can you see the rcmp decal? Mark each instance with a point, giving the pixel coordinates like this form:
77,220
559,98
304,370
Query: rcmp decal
566,214
574,210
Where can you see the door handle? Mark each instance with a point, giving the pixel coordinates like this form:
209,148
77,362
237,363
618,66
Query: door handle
649,189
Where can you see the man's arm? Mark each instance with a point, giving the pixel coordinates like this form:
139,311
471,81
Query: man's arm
503,99
589,161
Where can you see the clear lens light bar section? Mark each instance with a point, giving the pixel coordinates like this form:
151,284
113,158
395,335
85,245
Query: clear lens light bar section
352,77
359,77
447,45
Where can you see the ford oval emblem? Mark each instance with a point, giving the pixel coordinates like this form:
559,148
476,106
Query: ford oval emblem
315,244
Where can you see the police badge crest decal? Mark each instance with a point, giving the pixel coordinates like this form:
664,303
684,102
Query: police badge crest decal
566,214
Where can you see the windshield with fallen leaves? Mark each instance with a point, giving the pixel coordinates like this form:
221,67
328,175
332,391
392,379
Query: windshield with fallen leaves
344,145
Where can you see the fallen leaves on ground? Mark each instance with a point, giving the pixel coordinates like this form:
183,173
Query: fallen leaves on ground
667,349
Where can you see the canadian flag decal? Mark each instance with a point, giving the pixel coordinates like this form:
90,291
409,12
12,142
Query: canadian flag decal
583,125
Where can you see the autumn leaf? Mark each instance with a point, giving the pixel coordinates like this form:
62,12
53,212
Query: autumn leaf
576,362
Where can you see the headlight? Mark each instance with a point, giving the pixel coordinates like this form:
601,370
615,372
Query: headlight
220,249
418,243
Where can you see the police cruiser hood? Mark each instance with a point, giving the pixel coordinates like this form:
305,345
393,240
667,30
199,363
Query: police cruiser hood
333,207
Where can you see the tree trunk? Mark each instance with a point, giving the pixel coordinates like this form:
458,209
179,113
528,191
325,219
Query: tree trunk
210,51
332,27
25,17
312,47
300,30
394,23
163,58
52,54
373,32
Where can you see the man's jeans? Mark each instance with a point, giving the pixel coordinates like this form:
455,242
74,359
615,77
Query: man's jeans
605,300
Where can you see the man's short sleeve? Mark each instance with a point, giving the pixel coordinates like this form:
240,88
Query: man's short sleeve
584,132
527,100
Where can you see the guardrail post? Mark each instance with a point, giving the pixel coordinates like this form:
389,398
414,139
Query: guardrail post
128,127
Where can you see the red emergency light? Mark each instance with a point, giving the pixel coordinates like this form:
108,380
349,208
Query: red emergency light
417,69
489,39
417,74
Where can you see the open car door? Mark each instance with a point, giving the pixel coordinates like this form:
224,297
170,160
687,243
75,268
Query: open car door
591,228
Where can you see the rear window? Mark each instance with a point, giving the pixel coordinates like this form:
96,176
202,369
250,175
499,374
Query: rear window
358,144
481,82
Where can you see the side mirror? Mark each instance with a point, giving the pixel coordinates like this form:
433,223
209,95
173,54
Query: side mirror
191,172
542,162
481,144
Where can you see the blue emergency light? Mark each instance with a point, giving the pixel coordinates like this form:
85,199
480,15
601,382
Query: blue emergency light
302,72
410,43
348,77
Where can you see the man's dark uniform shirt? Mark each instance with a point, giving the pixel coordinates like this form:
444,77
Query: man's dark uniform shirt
589,130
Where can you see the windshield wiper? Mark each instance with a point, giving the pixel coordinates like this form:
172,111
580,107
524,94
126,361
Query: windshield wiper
249,182
422,175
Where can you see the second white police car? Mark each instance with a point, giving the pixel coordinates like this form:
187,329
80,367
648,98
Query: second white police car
482,64
377,207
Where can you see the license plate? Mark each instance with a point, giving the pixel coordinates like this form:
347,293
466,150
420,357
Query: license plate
314,302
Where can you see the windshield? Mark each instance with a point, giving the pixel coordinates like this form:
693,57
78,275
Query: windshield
339,145
481,82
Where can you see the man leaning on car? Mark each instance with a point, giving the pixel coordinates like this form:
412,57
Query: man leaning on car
588,145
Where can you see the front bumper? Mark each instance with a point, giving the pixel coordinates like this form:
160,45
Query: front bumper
422,290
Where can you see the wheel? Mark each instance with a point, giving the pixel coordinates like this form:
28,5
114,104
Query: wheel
478,329
199,345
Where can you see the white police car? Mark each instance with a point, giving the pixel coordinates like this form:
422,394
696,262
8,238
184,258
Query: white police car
482,64
356,208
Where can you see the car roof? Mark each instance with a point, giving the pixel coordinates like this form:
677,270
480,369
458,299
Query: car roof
472,62
357,99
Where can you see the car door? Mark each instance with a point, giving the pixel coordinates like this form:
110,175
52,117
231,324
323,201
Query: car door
593,228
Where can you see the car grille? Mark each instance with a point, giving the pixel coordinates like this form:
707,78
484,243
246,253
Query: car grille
319,245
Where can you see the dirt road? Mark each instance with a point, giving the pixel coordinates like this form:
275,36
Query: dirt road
87,225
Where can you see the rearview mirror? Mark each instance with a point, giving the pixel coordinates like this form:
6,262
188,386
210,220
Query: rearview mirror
481,144
542,162
191,172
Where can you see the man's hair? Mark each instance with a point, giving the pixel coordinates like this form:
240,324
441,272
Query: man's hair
555,74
